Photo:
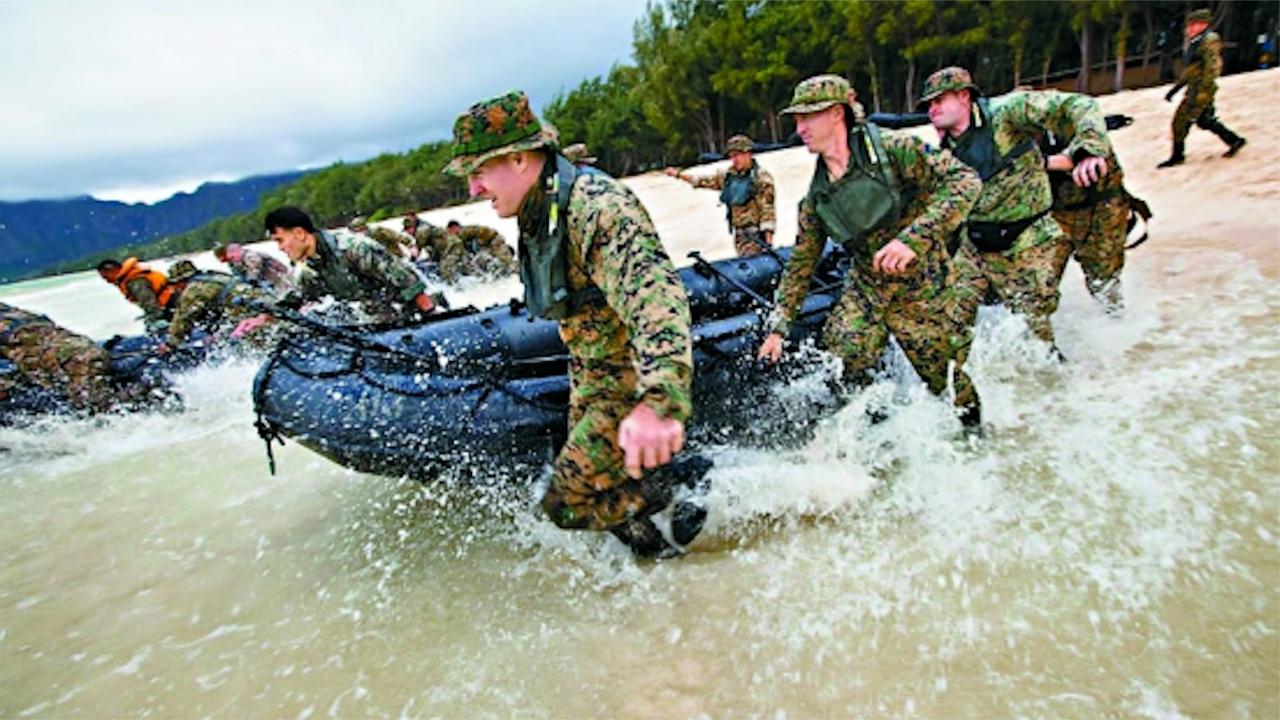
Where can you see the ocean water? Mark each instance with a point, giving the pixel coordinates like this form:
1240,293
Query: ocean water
1109,548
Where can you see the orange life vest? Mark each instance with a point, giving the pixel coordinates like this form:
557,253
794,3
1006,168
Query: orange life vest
131,270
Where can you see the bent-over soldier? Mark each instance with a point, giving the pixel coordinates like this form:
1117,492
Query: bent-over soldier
591,259
893,202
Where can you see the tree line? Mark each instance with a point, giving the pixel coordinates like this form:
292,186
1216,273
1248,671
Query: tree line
704,70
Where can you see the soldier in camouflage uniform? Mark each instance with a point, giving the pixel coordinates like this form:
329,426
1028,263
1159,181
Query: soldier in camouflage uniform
580,156
430,242
590,258
212,301
1200,76
51,357
475,250
349,268
1095,221
747,194
389,239
1014,249
257,268
900,280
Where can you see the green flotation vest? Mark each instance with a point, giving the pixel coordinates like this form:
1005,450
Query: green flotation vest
865,199
544,262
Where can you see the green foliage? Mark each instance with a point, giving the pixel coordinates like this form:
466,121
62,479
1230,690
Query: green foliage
707,69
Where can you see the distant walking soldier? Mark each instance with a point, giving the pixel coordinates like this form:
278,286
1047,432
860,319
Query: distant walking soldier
143,286
475,250
215,302
1200,76
893,202
1015,249
55,359
591,259
746,189
255,267
581,157
347,267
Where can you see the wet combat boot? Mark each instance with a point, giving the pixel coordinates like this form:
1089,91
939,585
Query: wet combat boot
1234,146
1177,158
687,516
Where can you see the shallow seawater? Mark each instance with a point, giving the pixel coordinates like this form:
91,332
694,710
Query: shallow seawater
1110,547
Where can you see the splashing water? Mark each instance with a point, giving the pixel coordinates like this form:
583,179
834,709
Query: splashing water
1109,547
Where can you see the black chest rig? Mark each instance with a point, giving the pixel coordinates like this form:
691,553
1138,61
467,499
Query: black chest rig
977,146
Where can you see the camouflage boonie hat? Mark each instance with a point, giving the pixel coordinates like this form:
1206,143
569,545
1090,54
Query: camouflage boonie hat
578,153
358,222
819,93
1200,15
944,80
182,270
738,143
498,126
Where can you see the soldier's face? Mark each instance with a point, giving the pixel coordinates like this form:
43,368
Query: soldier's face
292,242
504,181
819,129
950,111
1195,28
740,160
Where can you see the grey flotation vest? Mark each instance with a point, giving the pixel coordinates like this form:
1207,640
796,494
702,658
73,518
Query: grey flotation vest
544,260
865,199
737,190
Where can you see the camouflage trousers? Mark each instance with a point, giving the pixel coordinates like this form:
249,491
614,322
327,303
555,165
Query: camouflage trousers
1097,236
1024,279
931,326
1198,109
749,241
56,359
590,489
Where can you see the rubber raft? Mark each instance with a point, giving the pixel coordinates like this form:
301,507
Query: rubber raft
488,389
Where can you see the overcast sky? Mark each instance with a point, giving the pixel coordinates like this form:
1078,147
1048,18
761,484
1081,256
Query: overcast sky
134,100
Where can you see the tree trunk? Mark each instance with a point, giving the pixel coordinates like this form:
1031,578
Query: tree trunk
1122,43
1082,80
1151,34
1017,64
911,84
875,78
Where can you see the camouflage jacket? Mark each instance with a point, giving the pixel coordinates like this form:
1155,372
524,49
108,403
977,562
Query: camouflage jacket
353,267
756,212
12,318
1203,63
475,239
940,191
643,321
214,302
1022,190
389,239
263,270
433,240
154,315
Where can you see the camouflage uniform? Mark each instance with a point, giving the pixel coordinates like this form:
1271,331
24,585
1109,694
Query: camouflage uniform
919,308
1200,76
355,268
1026,275
477,250
750,221
633,346
1096,222
56,359
389,239
262,270
215,302
432,240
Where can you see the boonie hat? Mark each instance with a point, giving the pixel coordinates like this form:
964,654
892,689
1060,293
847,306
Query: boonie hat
945,80
498,126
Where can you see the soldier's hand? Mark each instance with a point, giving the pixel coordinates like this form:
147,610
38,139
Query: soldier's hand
673,172
893,258
1089,171
1168,97
248,325
647,440
771,348
424,303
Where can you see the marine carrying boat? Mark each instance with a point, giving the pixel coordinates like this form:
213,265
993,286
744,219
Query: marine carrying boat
490,388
